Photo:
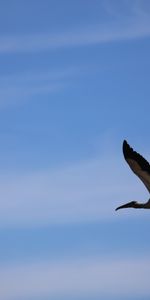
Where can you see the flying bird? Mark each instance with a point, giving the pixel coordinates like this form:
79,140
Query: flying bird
140,166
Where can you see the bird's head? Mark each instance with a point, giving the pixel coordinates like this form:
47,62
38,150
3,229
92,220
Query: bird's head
129,204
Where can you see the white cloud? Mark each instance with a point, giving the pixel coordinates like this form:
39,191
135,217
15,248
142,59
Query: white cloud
19,94
17,88
126,8
84,191
76,278
135,24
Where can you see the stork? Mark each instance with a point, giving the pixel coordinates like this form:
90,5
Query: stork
140,166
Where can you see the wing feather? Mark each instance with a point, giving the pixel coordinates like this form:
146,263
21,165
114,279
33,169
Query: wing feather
138,164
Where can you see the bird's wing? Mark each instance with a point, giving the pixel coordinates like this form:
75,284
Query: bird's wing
138,164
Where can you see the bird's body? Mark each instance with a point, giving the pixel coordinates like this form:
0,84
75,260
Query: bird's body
140,166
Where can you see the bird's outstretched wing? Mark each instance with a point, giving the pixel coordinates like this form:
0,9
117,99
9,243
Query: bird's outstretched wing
138,164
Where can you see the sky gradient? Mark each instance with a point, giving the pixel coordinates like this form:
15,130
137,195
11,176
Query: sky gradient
74,83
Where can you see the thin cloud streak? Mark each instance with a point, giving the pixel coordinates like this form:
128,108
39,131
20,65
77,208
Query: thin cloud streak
81,192
79,277
132,8
130,28
18,94
18,88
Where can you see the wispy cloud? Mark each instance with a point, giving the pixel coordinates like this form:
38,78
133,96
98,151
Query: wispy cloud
75,38
81,192
132,24
18,88
124,9
76,278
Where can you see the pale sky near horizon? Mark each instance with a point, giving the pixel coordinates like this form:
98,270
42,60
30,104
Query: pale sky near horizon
74,83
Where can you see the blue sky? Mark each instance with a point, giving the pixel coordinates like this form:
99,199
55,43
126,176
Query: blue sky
74,82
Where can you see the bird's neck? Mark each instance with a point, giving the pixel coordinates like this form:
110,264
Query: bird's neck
143,205
147,204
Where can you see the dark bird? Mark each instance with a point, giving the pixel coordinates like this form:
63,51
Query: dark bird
140,166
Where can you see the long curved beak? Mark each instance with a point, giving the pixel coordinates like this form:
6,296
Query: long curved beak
129,204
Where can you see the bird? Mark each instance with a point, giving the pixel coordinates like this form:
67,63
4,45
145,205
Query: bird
140,166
